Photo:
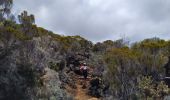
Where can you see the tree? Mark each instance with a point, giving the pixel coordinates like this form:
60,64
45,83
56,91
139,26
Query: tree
5,8
27,22
26,19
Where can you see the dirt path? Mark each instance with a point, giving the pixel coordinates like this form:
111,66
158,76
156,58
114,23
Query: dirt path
81,94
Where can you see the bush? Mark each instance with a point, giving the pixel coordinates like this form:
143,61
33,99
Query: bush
151,90
54,66
30,74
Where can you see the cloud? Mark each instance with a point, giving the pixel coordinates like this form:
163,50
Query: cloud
99,20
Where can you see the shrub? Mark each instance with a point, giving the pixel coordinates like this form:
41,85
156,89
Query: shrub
54,66
30,74
151,90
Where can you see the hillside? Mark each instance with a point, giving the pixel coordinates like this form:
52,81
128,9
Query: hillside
37,64
44,65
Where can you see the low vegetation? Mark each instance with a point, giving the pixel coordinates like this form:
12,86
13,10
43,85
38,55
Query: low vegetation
133,72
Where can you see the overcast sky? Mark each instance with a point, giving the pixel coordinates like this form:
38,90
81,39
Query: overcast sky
98,20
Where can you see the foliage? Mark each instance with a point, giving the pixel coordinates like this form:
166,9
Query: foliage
109,44
54,66
26,19
124,52
42,32
10,31
123,69
9,23
146,86
27,22
57,66
153,55
152,46
99,47
126,64
29,73
120,43
71,42
129,63
161,90
5,9
151,90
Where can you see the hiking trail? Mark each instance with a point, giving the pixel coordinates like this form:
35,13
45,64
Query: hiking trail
81,93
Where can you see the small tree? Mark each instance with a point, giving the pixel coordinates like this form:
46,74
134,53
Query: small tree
26,21
5,8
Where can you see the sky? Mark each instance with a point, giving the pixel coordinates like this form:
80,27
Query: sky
99,20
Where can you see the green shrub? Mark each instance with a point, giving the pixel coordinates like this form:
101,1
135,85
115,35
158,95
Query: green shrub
54,66
151,90
18,34
30,74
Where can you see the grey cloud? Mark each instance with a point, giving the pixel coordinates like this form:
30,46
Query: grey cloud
98,20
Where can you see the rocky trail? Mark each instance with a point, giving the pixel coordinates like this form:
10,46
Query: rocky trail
81,90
